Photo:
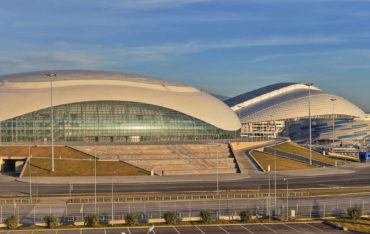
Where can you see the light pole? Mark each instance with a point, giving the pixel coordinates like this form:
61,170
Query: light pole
332,101
50,75
275,199
309,115
287,198
95,177
269,197
30,171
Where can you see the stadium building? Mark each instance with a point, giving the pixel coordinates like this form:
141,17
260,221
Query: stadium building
284,109
99,106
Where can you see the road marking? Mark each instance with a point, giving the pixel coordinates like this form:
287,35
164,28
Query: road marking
105,231
129,232
272,230
176,230
311,226
291,227
246,229
200,230
223,229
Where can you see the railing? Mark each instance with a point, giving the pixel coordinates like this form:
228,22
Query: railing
8,201
188,197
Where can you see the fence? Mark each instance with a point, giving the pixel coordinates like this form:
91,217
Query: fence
183,197
263,207
14,201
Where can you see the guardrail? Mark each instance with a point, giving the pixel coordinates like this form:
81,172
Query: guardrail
14,201
182,197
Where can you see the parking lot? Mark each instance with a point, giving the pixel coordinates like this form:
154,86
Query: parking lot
211,229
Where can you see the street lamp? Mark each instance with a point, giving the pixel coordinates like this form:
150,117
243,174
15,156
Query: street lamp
50,75
332,101
287,198
269,197
309,115
275,168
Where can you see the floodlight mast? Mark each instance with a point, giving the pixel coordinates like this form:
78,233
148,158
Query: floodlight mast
310,119
333,100
50,75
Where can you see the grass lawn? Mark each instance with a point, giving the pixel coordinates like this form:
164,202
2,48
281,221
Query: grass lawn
41,151
69,167
68,162
282,164
296,149
361,225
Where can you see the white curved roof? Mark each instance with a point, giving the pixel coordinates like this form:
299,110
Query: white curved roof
290,101
28,92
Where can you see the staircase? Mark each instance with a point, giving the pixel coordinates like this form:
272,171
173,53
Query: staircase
183,159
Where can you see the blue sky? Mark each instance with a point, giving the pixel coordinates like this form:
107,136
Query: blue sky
223,46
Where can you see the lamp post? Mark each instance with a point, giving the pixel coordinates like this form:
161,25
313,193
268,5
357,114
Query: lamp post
287,198
269,197
275,168
310,120
95,198
332,101
50,75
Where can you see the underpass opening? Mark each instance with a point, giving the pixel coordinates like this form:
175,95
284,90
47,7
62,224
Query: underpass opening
11,166
8,165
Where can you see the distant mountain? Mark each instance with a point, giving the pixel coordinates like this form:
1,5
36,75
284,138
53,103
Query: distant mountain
221,97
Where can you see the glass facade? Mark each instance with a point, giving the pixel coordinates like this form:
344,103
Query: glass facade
108,121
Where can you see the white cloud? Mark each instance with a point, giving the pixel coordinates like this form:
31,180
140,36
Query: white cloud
163,51
43,61
65,56
131,4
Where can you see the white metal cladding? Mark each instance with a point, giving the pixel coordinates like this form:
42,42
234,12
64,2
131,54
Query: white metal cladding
294,104
28,92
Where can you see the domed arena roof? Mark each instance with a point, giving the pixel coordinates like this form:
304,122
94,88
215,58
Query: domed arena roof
290,101
27,92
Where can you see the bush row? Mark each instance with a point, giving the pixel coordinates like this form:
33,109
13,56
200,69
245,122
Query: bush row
170,217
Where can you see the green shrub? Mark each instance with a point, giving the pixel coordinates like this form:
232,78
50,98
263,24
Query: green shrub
12,222
92,220
354,213
246,216
51,221
131,219
171,217
205,216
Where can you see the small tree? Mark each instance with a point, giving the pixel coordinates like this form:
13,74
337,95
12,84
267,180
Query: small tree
131,219
354,213
51,221
246,216
205,216
171,217
92,220
12,222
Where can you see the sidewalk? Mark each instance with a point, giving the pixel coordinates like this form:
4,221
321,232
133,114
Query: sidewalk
132,179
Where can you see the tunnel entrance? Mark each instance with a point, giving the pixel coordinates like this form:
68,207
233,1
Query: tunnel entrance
8,166
11,166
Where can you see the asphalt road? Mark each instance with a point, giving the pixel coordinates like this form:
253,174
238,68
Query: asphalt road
361,177
306,228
